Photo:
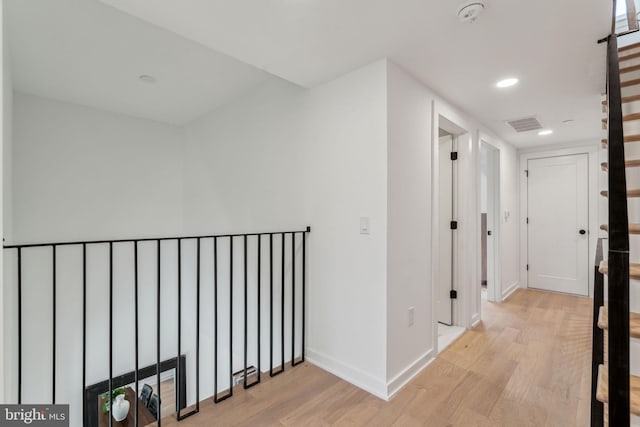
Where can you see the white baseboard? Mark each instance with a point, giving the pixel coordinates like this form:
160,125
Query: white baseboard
403,378
475,319
348,373
510,289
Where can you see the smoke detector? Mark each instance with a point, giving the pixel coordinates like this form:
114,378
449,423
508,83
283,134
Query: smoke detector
469,11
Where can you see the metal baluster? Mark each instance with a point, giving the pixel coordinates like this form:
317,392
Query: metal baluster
135,285
19,326
158,333
53,330
110,332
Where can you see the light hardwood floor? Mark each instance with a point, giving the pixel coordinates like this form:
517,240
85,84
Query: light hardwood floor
526,364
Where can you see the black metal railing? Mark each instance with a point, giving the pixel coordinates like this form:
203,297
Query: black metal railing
618,251
294,239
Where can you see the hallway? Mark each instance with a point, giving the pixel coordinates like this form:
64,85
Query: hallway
527,363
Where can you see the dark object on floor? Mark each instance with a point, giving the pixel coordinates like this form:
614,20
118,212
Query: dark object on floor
145,395
154,404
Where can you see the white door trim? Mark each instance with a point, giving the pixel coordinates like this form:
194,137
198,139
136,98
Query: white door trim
592,151
446,239
462,305
492,290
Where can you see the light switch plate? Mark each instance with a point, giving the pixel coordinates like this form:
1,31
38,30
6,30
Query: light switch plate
364,225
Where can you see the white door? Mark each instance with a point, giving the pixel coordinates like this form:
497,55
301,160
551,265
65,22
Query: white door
558,237
445,243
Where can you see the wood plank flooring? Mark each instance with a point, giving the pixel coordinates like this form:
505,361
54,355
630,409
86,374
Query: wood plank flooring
526,364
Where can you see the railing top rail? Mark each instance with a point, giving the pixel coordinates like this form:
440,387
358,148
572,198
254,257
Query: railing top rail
151,239
618,220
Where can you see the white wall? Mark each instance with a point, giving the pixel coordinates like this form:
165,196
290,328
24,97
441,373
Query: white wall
5,131
245,164
348,179
510,212
316,158
409,347
509,219
7,148
81,173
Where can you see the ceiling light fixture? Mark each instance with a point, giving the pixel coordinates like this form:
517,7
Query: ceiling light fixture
545,132
512,81
147,78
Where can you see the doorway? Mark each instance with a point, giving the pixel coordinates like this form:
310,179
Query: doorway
489,221
558,212
446,251
446,203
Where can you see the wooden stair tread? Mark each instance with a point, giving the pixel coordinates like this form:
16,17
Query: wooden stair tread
634,269
626,99
628,83
630,193
629,69
627,139
627,117
602,393
634,322
628,164
633,228
629,47
629,56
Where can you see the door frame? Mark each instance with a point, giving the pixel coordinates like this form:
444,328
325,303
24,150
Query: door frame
442,118
493,186
592,151
452,238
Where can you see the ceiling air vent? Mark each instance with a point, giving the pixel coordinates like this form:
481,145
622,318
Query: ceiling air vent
525,125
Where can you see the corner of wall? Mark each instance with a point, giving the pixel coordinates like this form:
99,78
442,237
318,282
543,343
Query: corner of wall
506,293
363,380
410,372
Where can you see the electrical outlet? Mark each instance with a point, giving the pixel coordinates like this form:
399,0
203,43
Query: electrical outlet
411,315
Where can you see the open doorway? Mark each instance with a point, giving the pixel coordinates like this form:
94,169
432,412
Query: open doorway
489,220
446,235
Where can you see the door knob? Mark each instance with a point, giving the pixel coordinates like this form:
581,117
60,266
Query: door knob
583,231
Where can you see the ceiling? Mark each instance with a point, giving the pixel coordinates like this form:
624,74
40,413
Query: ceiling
549,45
85,52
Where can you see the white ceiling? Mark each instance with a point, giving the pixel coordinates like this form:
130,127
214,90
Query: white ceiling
549,44
85,52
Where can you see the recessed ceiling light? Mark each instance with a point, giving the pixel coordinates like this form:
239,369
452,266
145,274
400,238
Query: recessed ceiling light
507,82
545,132
147,78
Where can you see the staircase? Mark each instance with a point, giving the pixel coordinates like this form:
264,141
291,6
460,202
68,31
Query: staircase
616,329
